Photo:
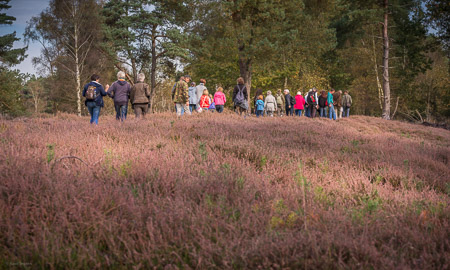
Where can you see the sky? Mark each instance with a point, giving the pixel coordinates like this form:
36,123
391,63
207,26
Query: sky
23,10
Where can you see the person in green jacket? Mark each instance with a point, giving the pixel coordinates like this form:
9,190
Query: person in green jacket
181,95
346,103
140,97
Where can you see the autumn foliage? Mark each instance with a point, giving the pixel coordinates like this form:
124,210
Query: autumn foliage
215,191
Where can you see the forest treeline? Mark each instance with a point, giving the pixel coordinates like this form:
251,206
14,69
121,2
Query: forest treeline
297,44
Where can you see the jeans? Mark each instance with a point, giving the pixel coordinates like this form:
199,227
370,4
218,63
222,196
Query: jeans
219,108
346,112
298,112
323,111
289,111
307,112
121,112
259,113
332,112
192,107
182,108
94,111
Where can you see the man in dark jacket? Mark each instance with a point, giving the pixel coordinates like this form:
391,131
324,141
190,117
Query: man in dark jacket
312,101
120,92
140,97
288,103
94,105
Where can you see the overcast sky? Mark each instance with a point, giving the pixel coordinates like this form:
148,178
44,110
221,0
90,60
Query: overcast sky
23,10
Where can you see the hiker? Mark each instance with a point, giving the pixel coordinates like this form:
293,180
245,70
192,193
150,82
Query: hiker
270,104
120,92
140,97
220,100
289,103
192,97
323,104
337,98
312,102
181,95
299,105
240,97
258,93
307,112
259,106
200,88
205,100
94,93
174,87
330,102
346,103
280,102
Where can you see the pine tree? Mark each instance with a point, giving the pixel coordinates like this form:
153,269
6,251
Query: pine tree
8,55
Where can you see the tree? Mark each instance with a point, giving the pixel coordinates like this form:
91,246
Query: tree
144,32
438,12
9,56
67,30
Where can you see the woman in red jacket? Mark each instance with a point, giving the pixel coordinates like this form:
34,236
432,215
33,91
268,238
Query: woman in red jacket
205,101
299,105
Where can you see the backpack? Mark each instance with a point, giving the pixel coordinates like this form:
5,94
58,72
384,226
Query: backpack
279,100
240,96
91,94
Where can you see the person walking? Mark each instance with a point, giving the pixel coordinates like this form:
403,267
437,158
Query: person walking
205,100
259,92
323,104
119,91
330,102
192,97
240,97
200,88
280,102
94,93
307,112
270,104
346,103
289,104
140,97
181,95
312,102
220,100
299,104
259,106
337,98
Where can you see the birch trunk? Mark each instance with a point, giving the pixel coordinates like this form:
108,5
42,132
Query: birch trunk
386,86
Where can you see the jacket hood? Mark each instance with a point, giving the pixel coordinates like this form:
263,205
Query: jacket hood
121,82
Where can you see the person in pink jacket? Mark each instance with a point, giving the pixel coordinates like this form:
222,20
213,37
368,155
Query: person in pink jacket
299,105
219,99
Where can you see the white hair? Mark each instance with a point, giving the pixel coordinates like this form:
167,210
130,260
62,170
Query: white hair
299,93
121,75
286,90
141,77
269,92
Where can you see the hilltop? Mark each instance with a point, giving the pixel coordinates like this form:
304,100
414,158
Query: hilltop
220,191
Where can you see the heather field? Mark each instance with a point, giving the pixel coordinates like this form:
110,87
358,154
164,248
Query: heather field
223,192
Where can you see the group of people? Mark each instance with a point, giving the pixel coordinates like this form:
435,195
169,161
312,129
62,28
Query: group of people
331,103
188,99
121,92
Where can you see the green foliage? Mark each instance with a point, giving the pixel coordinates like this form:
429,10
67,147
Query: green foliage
50,152
10,92
8,55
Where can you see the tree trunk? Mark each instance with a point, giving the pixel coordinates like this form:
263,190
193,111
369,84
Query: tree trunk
153,68
386,87
379,87
77,70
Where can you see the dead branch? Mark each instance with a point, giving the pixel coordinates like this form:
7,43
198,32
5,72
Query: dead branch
74,157
396,106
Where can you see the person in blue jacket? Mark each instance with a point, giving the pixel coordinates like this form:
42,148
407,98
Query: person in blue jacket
331,104
259,106
95,104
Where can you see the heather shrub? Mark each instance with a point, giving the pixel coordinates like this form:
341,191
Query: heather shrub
220,192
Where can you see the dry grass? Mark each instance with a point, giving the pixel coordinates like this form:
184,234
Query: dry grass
219,191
